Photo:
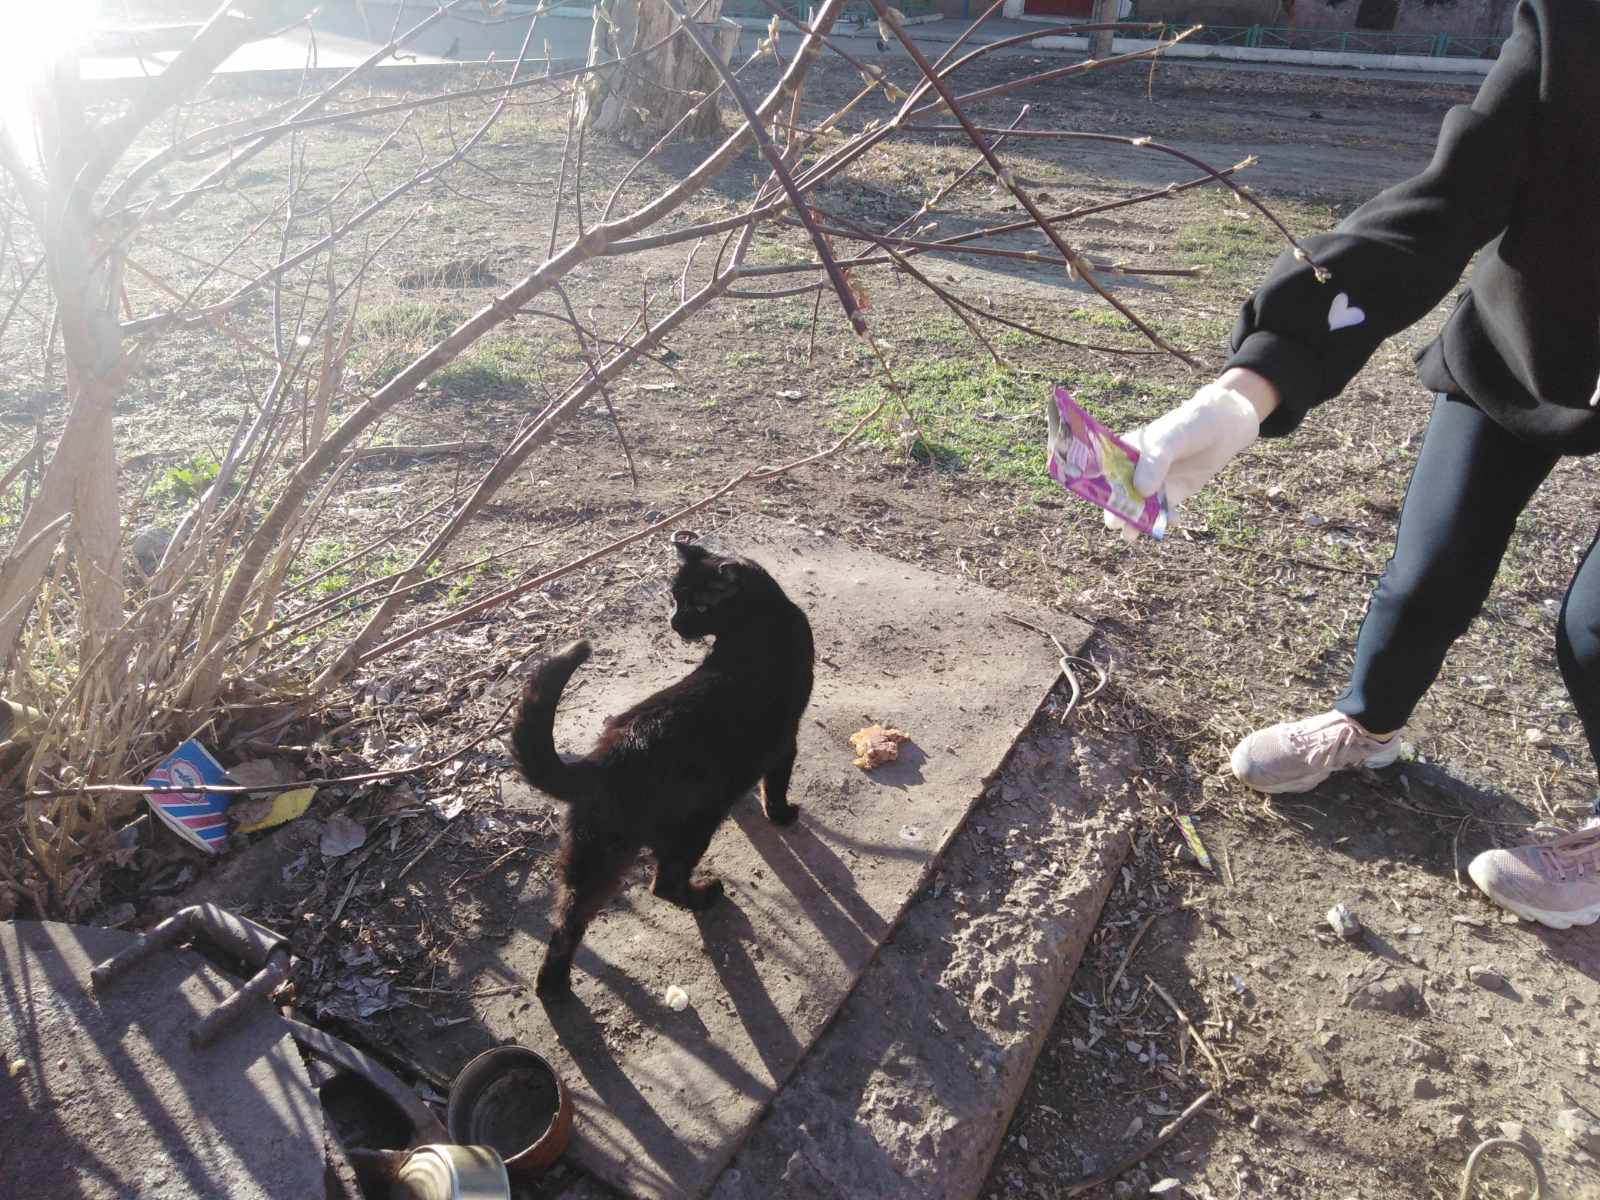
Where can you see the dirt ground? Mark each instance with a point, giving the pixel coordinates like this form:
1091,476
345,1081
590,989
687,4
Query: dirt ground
1341,1069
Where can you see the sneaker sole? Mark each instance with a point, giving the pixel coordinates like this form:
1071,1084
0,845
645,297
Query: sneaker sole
1304,783
1545,917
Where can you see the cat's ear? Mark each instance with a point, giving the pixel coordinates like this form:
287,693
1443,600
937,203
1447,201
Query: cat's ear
688,549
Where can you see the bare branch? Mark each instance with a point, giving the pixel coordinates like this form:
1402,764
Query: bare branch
1077,264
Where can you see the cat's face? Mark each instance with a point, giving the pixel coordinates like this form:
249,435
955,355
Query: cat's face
709,590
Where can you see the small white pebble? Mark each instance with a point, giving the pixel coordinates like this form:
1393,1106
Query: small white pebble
677,999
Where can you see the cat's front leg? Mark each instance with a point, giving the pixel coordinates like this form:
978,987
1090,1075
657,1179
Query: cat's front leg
775,788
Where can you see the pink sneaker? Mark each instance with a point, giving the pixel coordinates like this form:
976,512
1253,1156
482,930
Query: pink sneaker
1556,883
1295,756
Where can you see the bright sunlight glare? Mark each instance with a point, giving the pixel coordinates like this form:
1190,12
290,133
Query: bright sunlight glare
33,34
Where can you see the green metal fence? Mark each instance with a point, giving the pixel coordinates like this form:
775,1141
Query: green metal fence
1345,41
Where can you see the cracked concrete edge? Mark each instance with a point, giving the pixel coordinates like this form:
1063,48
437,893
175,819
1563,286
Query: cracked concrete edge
909,1091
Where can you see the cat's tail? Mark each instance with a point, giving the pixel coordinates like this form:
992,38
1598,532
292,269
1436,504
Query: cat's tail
533,734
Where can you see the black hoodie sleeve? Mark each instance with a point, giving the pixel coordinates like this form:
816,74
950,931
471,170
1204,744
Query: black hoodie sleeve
1397,255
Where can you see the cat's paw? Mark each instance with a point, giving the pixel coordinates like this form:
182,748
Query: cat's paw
701,896
787,814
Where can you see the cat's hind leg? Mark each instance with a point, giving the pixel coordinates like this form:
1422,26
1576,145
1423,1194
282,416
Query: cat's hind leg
676,857
775,788
592,870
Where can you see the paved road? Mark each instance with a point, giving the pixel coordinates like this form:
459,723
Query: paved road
343,40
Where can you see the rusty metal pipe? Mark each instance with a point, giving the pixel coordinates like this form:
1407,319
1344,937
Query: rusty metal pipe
426,1126
262,984
241,937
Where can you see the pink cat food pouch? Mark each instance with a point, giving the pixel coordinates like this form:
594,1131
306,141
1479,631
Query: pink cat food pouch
1090,461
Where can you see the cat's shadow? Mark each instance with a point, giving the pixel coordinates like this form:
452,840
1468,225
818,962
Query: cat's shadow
819,880
728,936
584,1039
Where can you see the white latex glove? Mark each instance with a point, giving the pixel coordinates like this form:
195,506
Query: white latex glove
1182,449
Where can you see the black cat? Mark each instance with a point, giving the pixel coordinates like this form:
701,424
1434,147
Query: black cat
665,774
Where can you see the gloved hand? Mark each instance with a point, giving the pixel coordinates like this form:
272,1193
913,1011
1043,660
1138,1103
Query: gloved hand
1181,450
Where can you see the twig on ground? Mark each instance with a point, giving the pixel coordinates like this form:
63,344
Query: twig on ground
477,875
1102,675
1199,1039
1544,801
423,853
1133,1160
338,910
504,990
1128,955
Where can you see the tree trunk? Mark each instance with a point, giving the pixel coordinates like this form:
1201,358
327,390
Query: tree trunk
1105,11
82,476
638,102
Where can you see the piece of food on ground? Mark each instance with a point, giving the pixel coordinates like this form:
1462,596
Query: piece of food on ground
876,745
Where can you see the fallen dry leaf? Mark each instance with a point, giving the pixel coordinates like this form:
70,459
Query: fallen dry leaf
340,835
261,773
876,745
249,816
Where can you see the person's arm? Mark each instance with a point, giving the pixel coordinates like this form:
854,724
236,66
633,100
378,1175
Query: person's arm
1257,389
1398,255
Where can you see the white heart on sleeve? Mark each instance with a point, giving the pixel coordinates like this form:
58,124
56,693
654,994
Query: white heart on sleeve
1343,314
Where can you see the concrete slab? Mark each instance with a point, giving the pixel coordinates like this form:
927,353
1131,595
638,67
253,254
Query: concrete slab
908,1093
664,1097
103,1097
